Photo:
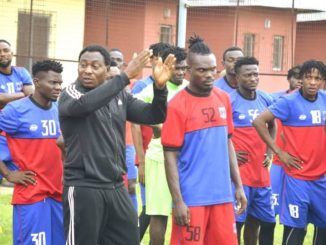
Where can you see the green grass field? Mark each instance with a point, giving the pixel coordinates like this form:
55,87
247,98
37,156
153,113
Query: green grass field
6,226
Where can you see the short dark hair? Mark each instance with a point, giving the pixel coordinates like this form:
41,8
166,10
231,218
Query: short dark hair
294,72
97,48
46,65
115,49
309,65
198,46
244,61
158,48
179,53
5,41
234,48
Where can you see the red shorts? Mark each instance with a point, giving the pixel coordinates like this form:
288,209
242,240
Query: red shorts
213,224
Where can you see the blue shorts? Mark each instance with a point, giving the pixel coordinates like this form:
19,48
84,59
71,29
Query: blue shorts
142,194
259,204
11,166
277,178
303,202
38,223
130,161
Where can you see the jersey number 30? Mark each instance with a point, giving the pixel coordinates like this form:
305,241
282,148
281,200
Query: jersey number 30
49,127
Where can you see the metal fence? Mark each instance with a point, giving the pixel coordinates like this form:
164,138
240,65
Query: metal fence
280,33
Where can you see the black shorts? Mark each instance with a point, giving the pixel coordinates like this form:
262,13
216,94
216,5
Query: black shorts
99,216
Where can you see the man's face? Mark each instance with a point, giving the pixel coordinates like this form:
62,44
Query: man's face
311,83
248,77
118,58
5,55
295,83
202,72
179,72
230,58
92,70
48,84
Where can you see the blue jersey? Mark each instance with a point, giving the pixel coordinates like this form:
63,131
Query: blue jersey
246,138
31,132
278,95
141,84
304,133
223,84
10,84
200,129
14,82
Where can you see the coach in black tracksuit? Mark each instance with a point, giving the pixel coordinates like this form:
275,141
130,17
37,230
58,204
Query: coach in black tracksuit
93,112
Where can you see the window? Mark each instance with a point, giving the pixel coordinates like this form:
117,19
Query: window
248,46
166,34
40,37
278,53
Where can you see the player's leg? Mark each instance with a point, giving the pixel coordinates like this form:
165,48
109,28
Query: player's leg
194,233
158,199
319,236
157,229
143,218
251,230
293,236
294,210
132,174
239,226
57,230
85,211
317,214
241,219
261,210
32,223
221,225
121,224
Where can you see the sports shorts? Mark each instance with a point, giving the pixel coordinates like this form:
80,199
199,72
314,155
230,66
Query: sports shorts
158,197
303,201
214,224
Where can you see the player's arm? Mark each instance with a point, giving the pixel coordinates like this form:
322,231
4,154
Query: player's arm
236,179
72,103
156,130
5,98
271,126
181,211
154,113
138,143
61,144
28,89
260,124
18,177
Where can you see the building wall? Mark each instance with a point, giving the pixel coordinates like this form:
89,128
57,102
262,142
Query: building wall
66,31
217,26
130,25
310,42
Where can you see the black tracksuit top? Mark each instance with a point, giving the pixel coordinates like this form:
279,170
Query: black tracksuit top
93,126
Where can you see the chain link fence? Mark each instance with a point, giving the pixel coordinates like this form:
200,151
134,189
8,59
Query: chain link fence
280,33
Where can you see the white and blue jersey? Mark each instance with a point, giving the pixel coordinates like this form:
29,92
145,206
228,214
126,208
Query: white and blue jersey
10,84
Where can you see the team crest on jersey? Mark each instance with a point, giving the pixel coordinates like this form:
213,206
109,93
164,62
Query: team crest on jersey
222,112
242,116
33,127
302,117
